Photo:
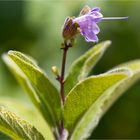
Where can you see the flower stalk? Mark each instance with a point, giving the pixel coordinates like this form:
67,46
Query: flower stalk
62,81
61,78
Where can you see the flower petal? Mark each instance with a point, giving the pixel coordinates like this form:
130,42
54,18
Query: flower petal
91,37
95,28
96,16
96,9
90,34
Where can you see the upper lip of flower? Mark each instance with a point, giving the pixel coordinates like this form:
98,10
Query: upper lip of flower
93,14
88,24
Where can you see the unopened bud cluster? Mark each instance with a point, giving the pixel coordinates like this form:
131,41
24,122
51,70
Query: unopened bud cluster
70,29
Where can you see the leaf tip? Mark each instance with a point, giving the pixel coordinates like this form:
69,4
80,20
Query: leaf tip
10,52
108,42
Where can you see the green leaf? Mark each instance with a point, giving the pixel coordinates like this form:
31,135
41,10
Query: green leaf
42,92
17,128
90,120
83,65
28,113
85,93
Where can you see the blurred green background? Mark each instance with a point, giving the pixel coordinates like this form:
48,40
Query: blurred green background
34,27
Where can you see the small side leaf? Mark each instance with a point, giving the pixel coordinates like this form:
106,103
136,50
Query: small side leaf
83,65
40,89
85,93
17,128
91,118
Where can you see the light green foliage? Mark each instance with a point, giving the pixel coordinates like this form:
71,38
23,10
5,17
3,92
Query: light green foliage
28,113
83,65
17,128
32,78
91,118
85,93
87,99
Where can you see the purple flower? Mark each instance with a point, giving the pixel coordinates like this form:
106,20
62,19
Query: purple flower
88,23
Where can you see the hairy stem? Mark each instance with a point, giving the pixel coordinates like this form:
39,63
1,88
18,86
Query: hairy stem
62,82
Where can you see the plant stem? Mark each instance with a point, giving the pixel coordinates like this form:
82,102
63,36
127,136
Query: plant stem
62,82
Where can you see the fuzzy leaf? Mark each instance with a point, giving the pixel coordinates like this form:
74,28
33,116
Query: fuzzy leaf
28,113
85,93
83,65
17,128
42,92
90,120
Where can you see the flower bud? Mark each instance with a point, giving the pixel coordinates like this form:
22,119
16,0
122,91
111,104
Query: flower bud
70,29
86,9
55,70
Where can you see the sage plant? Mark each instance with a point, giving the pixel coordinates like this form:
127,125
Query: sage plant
73,111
